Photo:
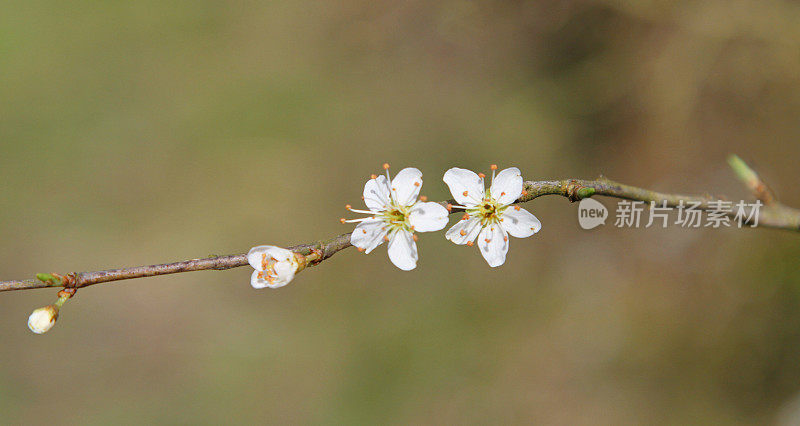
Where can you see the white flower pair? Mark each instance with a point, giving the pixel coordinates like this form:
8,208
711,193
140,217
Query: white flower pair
395,214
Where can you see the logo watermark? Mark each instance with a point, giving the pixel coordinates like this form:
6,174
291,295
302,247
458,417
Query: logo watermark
717,214
591,213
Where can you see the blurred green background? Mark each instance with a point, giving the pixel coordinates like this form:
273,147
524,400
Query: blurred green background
144,132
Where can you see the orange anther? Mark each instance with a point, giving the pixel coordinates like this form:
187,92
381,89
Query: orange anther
502,193
449,207
516,208
416,183
493,166
524,192
423,198
386,238
481,175
348,206
260,275
361,249
470,243
488,240
414,237
465,217
386,166
373,176
463,232
465,193
505,238
364,231
343,220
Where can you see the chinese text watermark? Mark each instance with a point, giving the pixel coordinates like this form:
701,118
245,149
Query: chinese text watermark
636,214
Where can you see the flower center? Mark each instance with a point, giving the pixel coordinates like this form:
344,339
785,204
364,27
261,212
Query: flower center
397,217
489,211
268,266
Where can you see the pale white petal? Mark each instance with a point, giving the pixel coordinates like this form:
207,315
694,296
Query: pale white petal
471,228
507,186
255,255
376,193
467,187
368,234
403,250
257,282
493,244
406,186
519,222
280,254
284,272
428,216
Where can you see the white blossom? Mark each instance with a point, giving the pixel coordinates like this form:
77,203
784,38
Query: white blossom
489,215
395,213
274,266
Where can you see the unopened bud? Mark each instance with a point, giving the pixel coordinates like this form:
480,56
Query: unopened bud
43,319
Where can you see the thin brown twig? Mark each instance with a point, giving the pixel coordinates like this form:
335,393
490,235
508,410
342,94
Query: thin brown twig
772,215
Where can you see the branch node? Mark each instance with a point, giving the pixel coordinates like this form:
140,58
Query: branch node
67,293
576,192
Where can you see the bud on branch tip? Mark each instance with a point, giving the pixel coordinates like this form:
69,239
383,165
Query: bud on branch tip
43,319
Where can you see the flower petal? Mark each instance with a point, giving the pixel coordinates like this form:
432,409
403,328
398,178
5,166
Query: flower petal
257,282
254,256
403,250
507,186
284,277
284,272
428,216
368,234
493,243
467,187
406,186
519,222
470,227
376,193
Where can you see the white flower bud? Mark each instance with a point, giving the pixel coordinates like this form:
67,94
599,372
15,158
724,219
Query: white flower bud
274,266
43,319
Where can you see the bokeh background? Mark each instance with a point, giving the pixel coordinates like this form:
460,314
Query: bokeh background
144,132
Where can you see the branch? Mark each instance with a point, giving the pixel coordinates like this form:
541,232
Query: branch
773,215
